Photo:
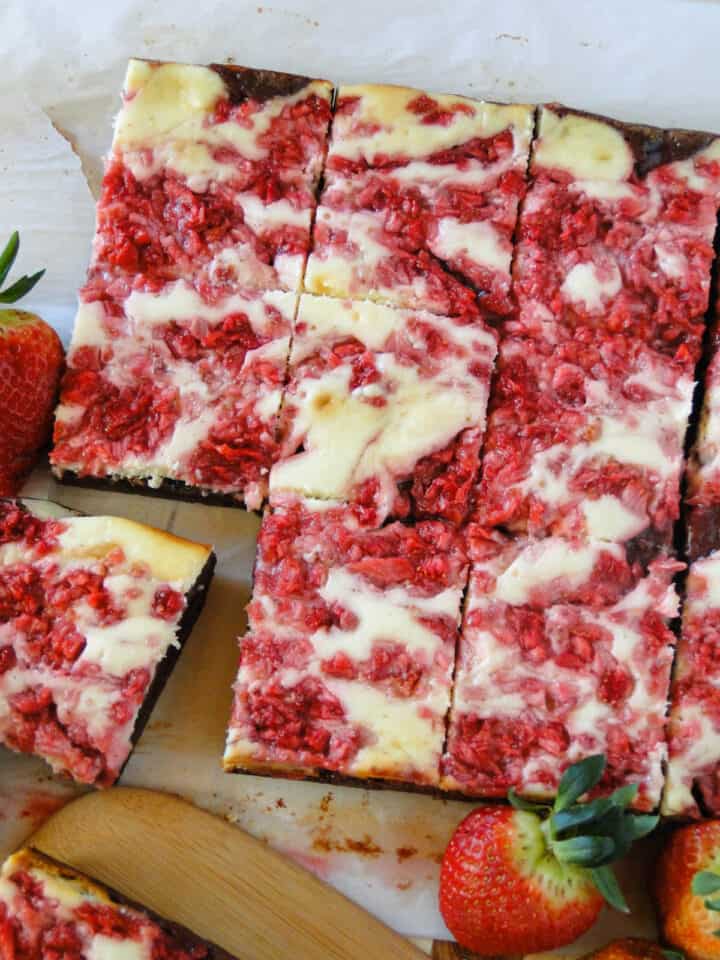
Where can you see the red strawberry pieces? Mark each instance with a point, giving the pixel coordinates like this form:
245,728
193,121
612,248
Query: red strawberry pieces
181,341
211,179
611,273
170,386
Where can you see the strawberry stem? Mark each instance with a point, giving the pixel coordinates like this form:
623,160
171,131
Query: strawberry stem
22,286
596,833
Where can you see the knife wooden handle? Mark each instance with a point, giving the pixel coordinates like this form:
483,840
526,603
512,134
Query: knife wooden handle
213,878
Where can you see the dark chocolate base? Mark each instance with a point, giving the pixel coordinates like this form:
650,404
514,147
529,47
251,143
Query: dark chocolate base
168,490
333,779
185,938
195,601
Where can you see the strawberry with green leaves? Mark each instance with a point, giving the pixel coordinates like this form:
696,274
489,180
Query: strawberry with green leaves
687,890
531,876
31,361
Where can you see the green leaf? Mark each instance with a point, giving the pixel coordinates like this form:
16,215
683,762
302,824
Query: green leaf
581,814
7,257
530,806
672,954
584,851
624,796
705,882
20,288
604,879
578,779
642,823
712,904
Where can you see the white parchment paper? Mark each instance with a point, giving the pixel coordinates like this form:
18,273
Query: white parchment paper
62,68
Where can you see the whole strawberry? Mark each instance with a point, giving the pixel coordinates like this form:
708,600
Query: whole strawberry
530,877
31,360
687,890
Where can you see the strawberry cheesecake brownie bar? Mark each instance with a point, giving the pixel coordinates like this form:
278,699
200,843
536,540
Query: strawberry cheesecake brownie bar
565,652
385,409
611,274
167,390
49,910
585,437
347,665
93,613
211,179
420,200
181,341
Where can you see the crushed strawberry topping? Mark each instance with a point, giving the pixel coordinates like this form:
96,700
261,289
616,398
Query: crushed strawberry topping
562,227
173,374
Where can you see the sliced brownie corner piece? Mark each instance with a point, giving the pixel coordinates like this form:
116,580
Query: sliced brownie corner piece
93,614
347,664
565,651
211,178
48,906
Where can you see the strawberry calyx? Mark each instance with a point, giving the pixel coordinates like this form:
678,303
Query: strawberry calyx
704,884
594,834
24,285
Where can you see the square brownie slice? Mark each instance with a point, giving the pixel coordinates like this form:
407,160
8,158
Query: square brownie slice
347,665
565,651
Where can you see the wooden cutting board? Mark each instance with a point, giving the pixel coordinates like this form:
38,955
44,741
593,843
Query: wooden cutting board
213,878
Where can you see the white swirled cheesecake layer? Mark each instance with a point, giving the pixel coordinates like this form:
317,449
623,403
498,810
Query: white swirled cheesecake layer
93,611
174,385
420,200
347,665
49,910
564,652
384,408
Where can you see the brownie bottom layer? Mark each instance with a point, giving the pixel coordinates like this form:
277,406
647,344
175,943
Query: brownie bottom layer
195,601
167,490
